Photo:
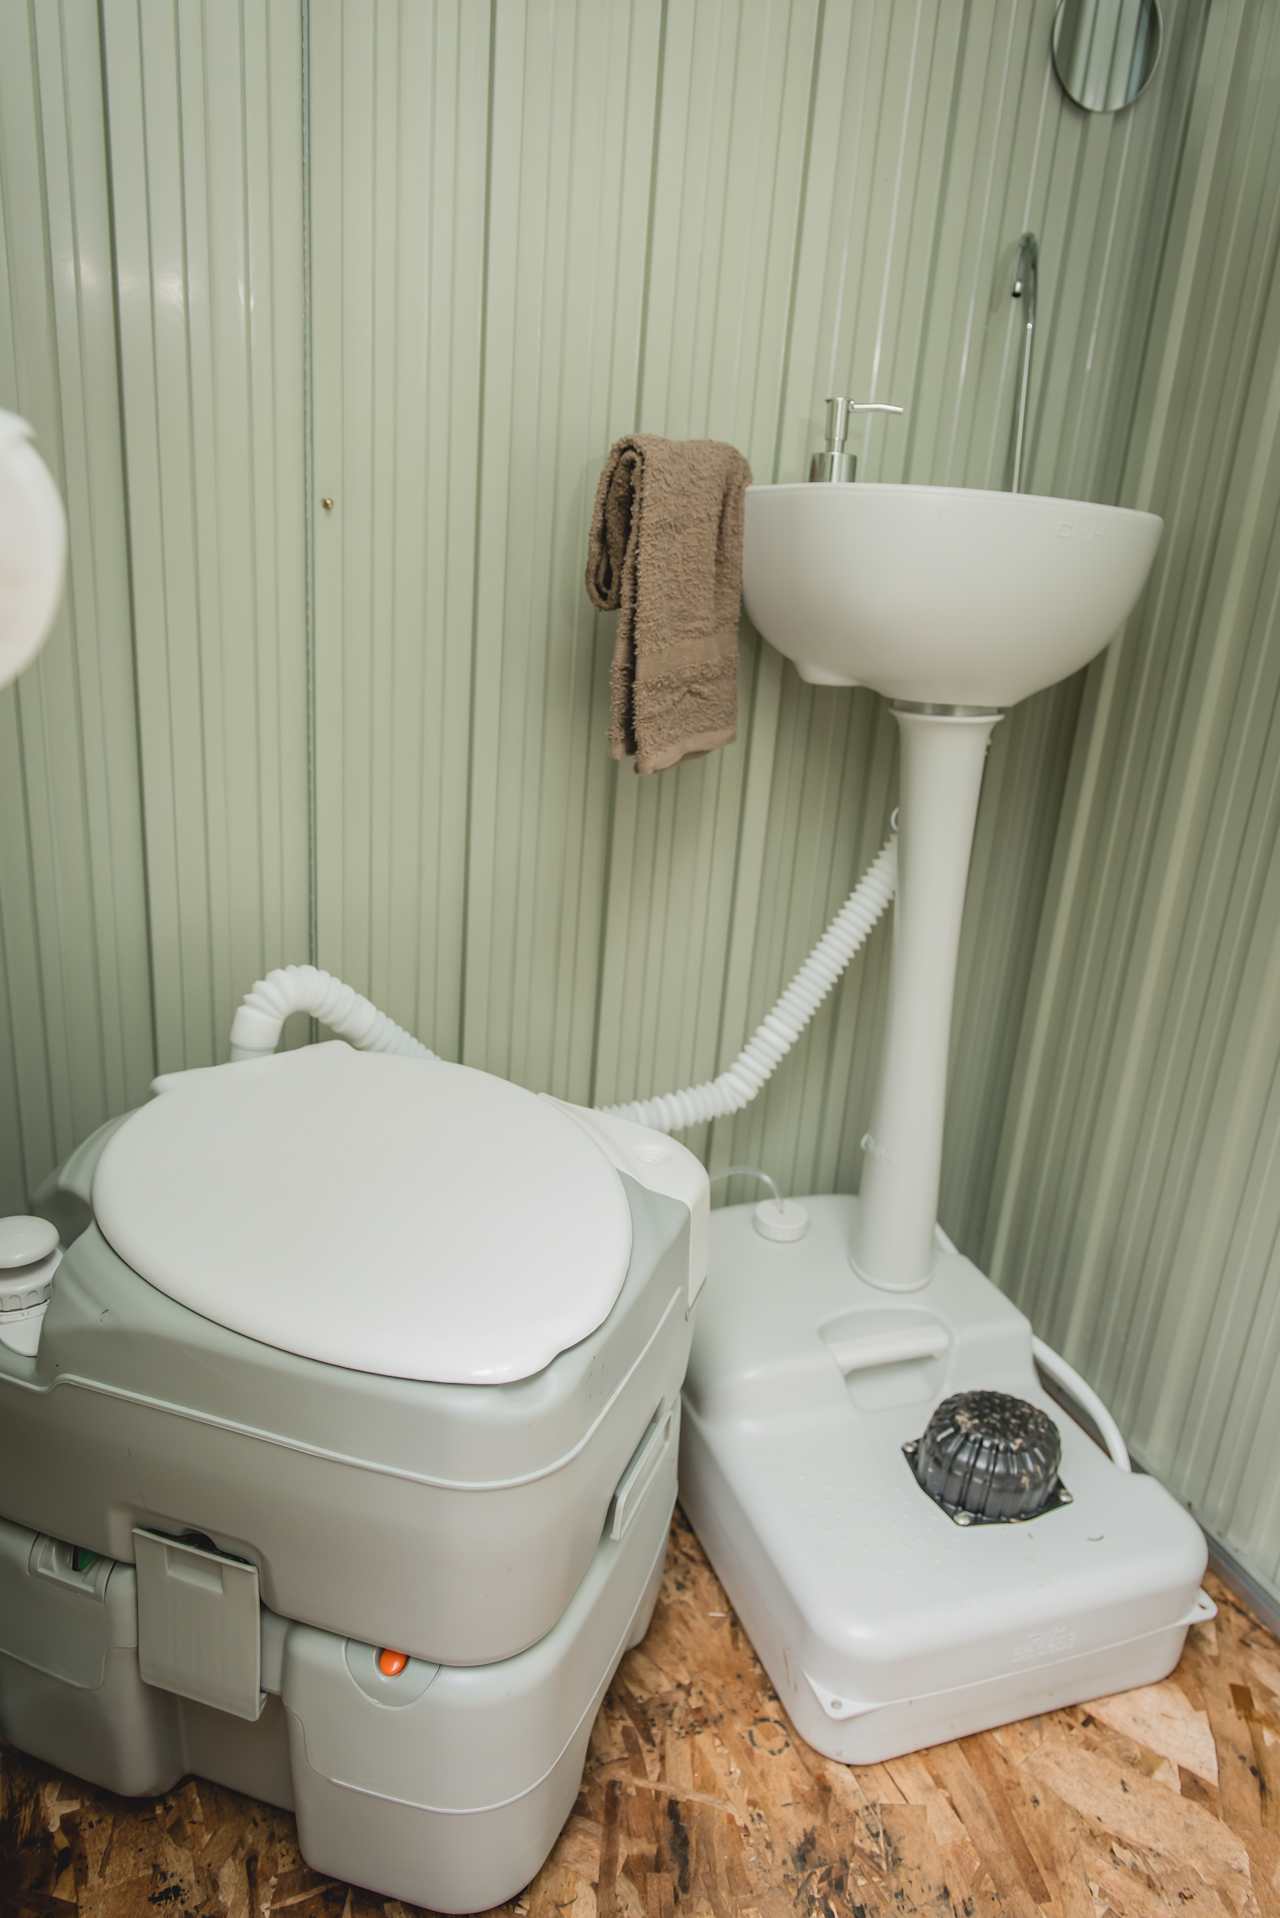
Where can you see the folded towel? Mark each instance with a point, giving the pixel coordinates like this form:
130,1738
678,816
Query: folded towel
666,553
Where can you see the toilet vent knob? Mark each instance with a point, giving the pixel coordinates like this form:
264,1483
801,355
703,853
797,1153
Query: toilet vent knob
28,1259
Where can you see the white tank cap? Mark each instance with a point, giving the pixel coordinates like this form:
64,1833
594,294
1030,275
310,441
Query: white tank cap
28,1259
782,1220
24,1240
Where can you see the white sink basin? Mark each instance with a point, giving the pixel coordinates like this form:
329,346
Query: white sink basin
940,594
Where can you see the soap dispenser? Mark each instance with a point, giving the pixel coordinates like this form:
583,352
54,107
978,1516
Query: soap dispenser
835,464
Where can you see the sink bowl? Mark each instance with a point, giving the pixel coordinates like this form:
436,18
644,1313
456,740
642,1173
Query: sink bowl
943,595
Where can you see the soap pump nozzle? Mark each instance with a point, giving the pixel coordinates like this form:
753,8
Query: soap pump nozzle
835,462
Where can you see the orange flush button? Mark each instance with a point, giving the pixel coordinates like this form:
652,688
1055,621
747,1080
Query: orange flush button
391,1664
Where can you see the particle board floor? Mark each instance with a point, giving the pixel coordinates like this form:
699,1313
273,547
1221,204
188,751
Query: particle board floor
698,1800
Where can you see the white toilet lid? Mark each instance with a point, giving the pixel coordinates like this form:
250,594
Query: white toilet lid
392,1215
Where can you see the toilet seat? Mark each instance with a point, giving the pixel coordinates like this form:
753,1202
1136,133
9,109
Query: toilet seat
391,1215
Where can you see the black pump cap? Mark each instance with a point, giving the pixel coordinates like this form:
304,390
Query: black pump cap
990,1455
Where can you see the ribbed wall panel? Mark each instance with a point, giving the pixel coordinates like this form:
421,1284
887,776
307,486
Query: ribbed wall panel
398,112
571,120
1136,1208
75,1005
730,134
205,119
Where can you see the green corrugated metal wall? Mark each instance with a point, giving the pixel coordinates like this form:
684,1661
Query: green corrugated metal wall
427,258
1135,1211
75,961
204,163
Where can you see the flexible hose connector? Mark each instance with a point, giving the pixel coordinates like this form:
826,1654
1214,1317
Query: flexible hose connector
256,1028
774,1037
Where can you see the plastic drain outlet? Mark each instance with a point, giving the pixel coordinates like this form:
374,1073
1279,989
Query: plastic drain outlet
989,1459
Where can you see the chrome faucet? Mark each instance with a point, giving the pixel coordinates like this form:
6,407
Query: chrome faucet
1026,275
835,462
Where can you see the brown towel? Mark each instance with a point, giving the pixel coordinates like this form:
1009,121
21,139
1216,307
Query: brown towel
666,553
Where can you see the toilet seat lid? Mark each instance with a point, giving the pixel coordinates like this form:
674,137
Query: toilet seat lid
391,1215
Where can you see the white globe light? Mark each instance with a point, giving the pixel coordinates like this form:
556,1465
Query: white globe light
33,548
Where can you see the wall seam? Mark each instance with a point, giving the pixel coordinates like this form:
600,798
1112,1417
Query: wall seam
126,504
309,505
642,340
481,399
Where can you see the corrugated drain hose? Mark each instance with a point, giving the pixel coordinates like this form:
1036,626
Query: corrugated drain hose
779,1030
260,1017
256,1028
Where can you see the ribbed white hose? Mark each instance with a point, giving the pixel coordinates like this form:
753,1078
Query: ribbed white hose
779,1030
259,1020
256,1028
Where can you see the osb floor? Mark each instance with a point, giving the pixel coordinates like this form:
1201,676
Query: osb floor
698,1799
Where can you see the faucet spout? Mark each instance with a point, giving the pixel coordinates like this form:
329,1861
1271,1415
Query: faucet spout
1026,274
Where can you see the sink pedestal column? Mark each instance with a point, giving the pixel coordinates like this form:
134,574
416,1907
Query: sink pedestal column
943,750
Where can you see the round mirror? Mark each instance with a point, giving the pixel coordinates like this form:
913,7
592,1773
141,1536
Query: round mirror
1105,51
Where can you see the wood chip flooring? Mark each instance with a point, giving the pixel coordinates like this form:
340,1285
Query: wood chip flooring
698,1800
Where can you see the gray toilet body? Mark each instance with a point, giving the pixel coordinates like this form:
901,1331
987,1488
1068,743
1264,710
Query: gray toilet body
207,1541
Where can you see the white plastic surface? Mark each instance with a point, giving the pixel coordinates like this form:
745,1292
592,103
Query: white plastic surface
20,1330
395,1216
782,1220
884,1626
1079,1390
25,1240
29,1257
942,594
661,1166
940,779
